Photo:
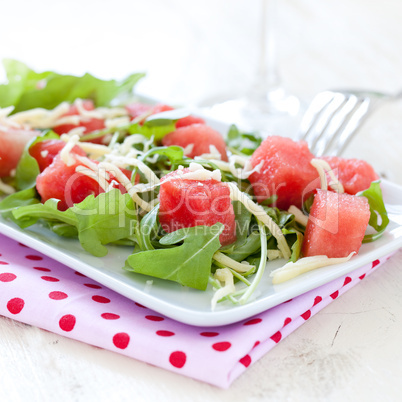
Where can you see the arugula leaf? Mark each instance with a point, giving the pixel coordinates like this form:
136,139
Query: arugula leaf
27,89
149,130
149,224
100,220
377,209
188,264
17,200
104,219
243,143
30,214
28,168
167,117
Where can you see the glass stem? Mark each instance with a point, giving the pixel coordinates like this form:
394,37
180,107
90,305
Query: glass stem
268,79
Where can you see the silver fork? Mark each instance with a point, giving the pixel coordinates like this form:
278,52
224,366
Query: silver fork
334,117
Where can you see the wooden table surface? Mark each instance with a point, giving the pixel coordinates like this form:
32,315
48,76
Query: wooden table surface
349,351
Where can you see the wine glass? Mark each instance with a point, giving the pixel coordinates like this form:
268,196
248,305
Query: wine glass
266,106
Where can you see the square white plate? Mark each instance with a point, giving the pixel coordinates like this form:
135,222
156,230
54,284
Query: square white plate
192,306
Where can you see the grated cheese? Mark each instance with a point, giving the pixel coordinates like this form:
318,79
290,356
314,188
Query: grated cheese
223,275
40,118
65,153
258,211
306,264
230,263
245,172
198,172
299,216
188,149
5,188
323,168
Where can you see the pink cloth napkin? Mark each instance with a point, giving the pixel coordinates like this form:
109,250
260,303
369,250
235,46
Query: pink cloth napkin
39,291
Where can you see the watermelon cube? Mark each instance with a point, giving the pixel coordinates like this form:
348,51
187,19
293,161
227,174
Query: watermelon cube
199,137
286,171
336,225
354,174
12,144
187,203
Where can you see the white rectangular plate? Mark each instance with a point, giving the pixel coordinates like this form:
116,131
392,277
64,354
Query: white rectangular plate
192,306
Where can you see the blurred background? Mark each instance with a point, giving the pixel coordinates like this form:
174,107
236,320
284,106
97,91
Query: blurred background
194,50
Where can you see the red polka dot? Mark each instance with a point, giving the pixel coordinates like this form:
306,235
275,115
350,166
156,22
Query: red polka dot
335,295
348,279
221,346
33,257
42,269
245,361
4,263
67,322
14,306
92,286
306,315
79,274
276,337
154,318
209,334
50,279
287,321
7,277
288,301
100,299
164,333
375,263
253,321
121,340
56,295
256,344
177,359
23,245
362,276
317,300
110,316
139,305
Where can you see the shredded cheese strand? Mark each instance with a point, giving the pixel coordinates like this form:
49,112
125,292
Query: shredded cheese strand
122,178
5,188
258,211
306,264
223,275
299,216
323,168
230,263
90,173
126,161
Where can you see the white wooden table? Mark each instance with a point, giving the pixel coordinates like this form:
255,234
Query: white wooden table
349,351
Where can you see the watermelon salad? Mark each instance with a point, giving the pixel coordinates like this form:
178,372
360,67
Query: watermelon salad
193,205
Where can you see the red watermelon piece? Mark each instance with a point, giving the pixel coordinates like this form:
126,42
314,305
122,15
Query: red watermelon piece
12,144
137,109
336,225
286,171
354,174
45,151
62,182
200,136
188,203
189,120
91,124
70,187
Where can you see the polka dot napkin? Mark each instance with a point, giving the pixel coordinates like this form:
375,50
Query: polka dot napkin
39,291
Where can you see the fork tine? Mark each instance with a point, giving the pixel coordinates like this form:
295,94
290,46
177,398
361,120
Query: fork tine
335,126
317,105
323,118
355,122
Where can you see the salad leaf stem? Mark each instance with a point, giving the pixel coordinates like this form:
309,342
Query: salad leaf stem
261,267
